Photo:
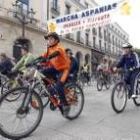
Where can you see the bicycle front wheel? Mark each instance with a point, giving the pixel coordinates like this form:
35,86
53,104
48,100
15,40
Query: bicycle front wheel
119,97
99,85
16,122
107,85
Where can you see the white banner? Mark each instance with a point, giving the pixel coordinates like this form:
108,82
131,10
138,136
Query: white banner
86,19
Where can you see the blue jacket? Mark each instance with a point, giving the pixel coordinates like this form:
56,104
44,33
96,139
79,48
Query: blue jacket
128,61
74,67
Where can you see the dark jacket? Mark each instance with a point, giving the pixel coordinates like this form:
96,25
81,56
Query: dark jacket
129,61
6,66
74,67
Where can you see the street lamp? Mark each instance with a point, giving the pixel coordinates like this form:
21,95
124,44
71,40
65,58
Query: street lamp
24,16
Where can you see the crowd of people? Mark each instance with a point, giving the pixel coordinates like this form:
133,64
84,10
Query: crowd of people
59,61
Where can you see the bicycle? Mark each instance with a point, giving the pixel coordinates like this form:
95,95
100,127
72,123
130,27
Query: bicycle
3,78
103,80
28,107
120,95
83,80
17,80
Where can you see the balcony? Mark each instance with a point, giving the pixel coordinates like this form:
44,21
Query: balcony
70,36
55,9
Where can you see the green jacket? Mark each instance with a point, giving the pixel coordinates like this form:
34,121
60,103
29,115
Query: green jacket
26,59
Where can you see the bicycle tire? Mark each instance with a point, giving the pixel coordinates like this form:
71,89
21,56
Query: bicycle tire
11,135
99,85
73,85
113,95
42,95
107,85
5,86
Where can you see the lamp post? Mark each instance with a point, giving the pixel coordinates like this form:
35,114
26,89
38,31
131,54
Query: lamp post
48,8
24,16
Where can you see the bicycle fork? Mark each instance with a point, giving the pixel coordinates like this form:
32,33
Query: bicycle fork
24,109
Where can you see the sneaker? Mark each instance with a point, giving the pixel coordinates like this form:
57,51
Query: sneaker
66,109
134,96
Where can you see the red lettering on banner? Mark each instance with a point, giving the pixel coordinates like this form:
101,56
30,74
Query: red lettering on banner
71,24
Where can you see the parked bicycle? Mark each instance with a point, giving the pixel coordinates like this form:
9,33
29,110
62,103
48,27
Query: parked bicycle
19,118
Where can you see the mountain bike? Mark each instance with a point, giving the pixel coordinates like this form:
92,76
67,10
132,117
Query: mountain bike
120,95
19,118
18,79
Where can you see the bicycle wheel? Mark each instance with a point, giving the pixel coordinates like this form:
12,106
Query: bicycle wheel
3,79
107,85
44,97
89,82
16,123
80,82
9,85
137,100
119,97
75,99
99,85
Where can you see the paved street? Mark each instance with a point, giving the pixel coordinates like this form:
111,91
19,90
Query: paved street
97,122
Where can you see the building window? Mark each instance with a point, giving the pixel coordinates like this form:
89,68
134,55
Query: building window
116,42
100,32
87,39
105,47
105,36
55,4
109,48
67,9
24,4
86,5
94,31
113,40
78,36
94,42
113,50
100,44
109,38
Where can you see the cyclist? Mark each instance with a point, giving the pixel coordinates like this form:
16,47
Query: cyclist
5,65
103,68
74,67
85,71
103,65
26,58
131,65
59,65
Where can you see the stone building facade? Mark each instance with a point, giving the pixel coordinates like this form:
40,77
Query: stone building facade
90,45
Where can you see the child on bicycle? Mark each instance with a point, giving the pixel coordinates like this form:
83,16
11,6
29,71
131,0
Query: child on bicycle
59,65
130,63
